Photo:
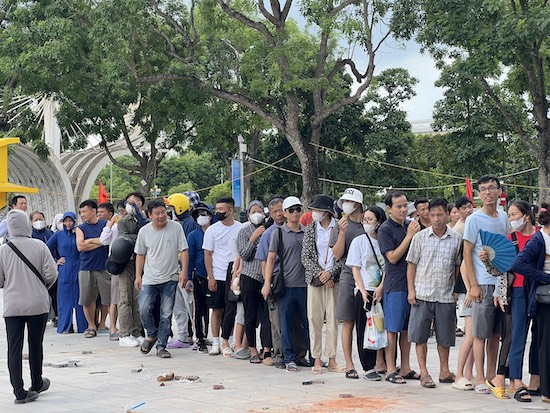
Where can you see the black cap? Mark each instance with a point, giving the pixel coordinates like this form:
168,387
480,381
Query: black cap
323,203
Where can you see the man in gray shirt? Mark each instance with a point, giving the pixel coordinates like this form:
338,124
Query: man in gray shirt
157,267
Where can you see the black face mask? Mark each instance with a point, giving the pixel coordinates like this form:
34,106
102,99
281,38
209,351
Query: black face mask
221,215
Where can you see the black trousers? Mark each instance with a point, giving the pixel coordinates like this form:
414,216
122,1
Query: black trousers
202,316
53,294
15,331
230,311
503,365
255,308
367,357
543,321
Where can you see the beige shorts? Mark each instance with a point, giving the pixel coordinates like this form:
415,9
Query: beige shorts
114,290
93,282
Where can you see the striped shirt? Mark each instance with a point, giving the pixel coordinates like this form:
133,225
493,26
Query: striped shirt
436,260
251,266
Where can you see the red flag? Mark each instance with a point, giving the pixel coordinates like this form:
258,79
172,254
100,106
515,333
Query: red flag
102,195
469,190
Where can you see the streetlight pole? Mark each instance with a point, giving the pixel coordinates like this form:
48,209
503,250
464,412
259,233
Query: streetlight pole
242,150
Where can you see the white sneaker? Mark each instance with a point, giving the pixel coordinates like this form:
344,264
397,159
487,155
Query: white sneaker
128,341
215,351
139,339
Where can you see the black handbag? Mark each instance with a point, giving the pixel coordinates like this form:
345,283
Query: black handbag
278,280
543,294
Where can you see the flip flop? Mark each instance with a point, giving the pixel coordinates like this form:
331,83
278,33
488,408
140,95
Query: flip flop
499,392
291,367
463,384
352,374
317,370
482,389
395,378
449,379
411,375
146,346
90,333
163,353
427,382
522,395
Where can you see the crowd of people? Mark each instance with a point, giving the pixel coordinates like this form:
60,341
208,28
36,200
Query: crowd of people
289,276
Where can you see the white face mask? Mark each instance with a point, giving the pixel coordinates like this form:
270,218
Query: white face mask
518,224
348,207
203,220
370,228
129,209
39,225
317,216
257,218
60,226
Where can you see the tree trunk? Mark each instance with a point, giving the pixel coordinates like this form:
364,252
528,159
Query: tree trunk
544,165
307,155
253,148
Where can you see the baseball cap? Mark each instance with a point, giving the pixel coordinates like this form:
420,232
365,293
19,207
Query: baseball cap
291,201
351,194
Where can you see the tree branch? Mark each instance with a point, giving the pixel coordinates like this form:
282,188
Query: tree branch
258,26
114,161
266,14
128,140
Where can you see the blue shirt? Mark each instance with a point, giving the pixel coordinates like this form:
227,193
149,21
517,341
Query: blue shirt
479,220
93,260
390,236
263,248
188,223
43,235
196,253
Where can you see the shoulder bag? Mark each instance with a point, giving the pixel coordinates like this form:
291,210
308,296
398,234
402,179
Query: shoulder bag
278,281
28,263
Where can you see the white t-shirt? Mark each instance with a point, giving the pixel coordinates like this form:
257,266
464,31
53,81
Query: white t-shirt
360,254
217,239
161,248
324,253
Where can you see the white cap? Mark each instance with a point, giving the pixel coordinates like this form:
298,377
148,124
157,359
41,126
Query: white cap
351,194
291,201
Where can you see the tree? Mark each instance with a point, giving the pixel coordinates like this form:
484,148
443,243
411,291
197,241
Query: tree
255,56
494,40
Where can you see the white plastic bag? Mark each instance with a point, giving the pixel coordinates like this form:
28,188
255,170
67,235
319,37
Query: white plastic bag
374,339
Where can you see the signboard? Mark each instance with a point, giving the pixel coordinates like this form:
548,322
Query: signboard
236,186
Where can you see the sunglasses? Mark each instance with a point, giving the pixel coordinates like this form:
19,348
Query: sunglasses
292,210
204,213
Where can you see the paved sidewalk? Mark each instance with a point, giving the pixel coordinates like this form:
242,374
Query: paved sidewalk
103,382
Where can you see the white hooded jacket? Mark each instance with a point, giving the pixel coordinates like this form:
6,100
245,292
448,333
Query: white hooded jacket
24,293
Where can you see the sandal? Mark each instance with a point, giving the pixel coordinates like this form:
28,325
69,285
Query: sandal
226,351
114,336
147,345
317,370
535,392
336,369
255,359
90,333
412,375
163,353
482,389
372,375
427,382
291,367
499,392
449,379
522,395
395,378
352,374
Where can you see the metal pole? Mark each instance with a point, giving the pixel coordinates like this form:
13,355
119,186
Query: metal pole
242,150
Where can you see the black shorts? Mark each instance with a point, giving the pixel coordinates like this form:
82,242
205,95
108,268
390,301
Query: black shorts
218,297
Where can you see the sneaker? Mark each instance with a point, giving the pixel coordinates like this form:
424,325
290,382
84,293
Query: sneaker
29,397
242,354
280,364
215,351
45,386
202,348
139,339
128,341
177,344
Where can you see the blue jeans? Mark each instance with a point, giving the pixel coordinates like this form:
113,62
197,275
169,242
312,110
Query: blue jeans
147,298
520,323
293,301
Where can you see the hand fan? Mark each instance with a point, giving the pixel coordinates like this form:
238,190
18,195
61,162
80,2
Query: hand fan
501,250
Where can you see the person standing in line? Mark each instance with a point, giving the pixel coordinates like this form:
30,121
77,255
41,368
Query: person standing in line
128,302
293,301
18,280
322,279
394,238
197,272
422,212
17,202
159,245
63,248
487,318
433,260
92,277
349,227
367,265
217,258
